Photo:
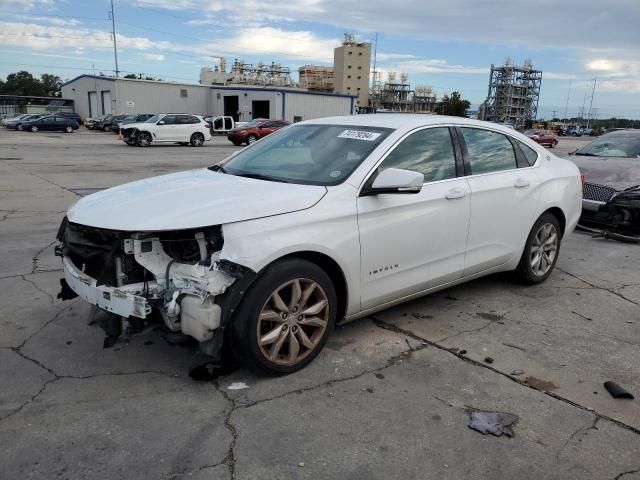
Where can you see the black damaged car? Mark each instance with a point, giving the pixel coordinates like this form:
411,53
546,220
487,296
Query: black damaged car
610,167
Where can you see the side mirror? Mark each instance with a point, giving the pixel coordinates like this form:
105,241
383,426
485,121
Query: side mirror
161,122
395,180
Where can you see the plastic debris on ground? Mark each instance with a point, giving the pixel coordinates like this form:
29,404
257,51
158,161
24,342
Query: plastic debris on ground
495,423
237,386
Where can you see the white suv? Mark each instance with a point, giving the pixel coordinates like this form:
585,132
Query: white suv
168,127
321,222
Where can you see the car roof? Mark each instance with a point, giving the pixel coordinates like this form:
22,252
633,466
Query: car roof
405,121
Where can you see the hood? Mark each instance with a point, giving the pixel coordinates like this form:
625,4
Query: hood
614,172
135,124
191,199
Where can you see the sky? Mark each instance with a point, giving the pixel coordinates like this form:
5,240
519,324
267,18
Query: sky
446,45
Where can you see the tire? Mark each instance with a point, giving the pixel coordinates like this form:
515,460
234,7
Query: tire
143,139
197,139
534,269
68,129
551,145
131,142
284,333
236,143
251,139
33,128
107,129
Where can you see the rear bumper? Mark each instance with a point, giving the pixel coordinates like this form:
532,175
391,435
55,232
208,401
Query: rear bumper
111,299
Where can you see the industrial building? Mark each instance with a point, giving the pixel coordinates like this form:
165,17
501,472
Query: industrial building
351,68
398,96
513,94
316,78
96,95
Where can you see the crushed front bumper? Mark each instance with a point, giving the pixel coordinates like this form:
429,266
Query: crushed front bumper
119,301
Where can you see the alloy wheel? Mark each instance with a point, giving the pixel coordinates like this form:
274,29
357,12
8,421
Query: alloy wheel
251,140
544,249
292,321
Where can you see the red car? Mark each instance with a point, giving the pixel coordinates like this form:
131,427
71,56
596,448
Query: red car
254,131
543,137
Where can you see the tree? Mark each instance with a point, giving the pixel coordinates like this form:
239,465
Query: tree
453,105
22,83
51,84
25,84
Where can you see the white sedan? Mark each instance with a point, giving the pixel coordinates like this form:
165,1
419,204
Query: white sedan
325,221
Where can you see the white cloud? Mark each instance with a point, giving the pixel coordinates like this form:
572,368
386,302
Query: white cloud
394,56
438,66
154,57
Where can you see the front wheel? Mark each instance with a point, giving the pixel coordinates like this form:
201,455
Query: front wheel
68,129
251,139
34,128
285,318
197,140
144,139
541,251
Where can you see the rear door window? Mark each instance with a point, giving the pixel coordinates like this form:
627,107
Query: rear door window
429,151
488,151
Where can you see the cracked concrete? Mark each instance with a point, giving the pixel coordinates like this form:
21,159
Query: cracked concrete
387,398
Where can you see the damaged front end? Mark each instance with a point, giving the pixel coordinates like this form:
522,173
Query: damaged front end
618,211
175,277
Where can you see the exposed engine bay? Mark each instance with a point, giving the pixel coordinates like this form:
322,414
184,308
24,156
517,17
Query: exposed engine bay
175,277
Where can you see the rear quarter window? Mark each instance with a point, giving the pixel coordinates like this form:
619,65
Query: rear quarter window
530,154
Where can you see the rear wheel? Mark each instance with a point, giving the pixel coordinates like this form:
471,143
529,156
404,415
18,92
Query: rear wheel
197,139
143,139
251,139
237,143
68,129
541,251
33,128
285,318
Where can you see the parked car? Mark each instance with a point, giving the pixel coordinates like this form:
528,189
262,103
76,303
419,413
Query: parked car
129,119
326,221
51,123
180,128
574,130
91,123
8,120
255,130
610,166
104,122
543,137
70,115
16,124
113,124
220,125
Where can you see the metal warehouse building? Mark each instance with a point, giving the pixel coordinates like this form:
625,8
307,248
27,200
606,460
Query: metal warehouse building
94,96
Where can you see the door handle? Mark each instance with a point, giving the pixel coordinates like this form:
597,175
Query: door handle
521,183
455,193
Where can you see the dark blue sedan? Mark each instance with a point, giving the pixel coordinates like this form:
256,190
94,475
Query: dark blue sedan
52,123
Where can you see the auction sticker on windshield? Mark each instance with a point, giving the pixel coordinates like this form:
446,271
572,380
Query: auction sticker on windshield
359,135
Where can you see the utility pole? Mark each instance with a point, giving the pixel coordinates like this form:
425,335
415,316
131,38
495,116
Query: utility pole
375,74
554,115
566,106
113,32
593,92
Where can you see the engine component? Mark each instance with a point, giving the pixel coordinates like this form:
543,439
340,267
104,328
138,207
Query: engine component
199,319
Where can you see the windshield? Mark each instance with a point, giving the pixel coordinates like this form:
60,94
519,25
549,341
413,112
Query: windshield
154,119
307,154
627,145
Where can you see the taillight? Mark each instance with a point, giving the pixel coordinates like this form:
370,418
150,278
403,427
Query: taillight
582,178
206,125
